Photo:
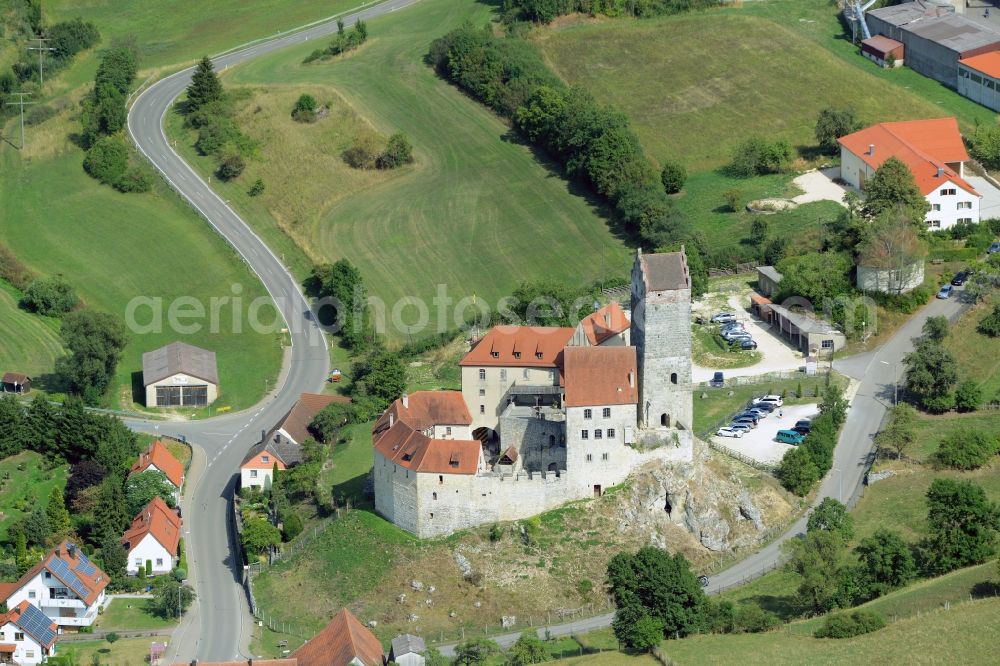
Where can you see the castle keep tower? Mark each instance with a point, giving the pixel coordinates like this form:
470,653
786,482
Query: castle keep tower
661,333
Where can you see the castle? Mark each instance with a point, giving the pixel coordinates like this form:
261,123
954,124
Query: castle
545,415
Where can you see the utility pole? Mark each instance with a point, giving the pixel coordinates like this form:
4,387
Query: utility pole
41,48
20,102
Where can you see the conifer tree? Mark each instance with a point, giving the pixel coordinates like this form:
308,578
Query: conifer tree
57,514
205,86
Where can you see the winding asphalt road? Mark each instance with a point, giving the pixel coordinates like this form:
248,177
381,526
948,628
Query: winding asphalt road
217,628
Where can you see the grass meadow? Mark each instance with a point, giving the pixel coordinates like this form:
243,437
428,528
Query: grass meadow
114,247
26,482
30,342
478,211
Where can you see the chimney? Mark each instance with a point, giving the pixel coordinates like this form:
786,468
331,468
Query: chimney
871,148
940,173
71,551
406,401
194,662
631,379
607,319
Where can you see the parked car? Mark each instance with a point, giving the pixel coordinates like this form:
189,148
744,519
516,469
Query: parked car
802,427
742,427
758,412
731,326
959,278
766,406
733,335
746,420
748,345
945,291
994,248
729,432
770,399
790,437
718,380
724,318
747,415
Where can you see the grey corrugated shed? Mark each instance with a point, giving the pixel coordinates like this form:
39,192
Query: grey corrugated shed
406,644
804,322
666,271
771,273
179,357
953,31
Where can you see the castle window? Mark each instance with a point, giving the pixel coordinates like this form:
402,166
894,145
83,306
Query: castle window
598,434
432,515
441,479
447,430
590,458
606,412
503,374
482,374
584,434
664,420
434,496
517,354
587,413
495,354
604,456
673,377
538,355
524,373
482,409
611,433
482,392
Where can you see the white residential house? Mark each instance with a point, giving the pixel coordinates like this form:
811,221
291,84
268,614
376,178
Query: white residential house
932,149
153,538
27,636
157,458
66,586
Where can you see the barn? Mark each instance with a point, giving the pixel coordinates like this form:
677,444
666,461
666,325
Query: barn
180,375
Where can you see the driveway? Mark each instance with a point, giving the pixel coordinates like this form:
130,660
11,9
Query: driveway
776,354
818,185
759,443
989,206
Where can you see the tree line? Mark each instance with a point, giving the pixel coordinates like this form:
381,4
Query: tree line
593,142
804,465
544,11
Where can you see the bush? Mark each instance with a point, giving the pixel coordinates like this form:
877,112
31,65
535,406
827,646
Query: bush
107,160
734,199
291,526
798,472
49,296
179,574
13,271
111,637
841,625
364,152
673,177
136,179
305,109
256,189
968,396
231,167
397,152
753,619
756,156
990,324
984,145
39,114
965,450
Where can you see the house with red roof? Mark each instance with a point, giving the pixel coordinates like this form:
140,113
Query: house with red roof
606,326
935,154
158,458
66,586
153,538
979,79
27,637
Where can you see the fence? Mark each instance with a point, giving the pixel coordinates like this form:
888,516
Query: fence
753,462
747,267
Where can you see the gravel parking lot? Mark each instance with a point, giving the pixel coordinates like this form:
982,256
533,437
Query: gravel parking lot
759,443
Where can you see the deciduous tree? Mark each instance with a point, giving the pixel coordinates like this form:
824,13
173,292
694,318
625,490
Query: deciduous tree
884,562
893,188
834,123
141,488
831,515
963,526
95,341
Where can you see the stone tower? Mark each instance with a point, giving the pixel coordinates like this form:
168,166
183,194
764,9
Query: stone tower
661,333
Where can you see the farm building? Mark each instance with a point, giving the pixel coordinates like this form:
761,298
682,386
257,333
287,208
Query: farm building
180,375
979,79
768,280
935,154
883,51
934,37
808,333
15,382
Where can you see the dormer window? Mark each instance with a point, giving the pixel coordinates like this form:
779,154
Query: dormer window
517,354
495,354
538,355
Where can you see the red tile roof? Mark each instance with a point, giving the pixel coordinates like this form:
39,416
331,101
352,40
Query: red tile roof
605,323
159,456
246,662
343,640
93,583
520,346
987,63
923,145
600,376
14,616
424,409
296,422
157,519
15,378
399,434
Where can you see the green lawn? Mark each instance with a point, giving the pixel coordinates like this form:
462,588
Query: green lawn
131,615
113,248
347,468
978,355
695,85
30,342
709,352
477,213
173,31
124,652
25,483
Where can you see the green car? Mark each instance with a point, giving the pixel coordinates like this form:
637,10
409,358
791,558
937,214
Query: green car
790,437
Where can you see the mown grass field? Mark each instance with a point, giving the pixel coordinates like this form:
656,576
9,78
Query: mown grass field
978,355
124,652
126,614
25,483
113,248
30,342
695,85
477,212
174,31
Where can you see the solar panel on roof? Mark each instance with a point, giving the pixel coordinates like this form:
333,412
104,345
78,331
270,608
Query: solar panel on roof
37,624
86,567
62,571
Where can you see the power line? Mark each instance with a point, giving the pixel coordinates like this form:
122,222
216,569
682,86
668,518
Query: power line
41,48
20,102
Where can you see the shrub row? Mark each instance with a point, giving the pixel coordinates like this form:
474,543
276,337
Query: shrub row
544,11
13,271
966,450
806,464
343,42
842,625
